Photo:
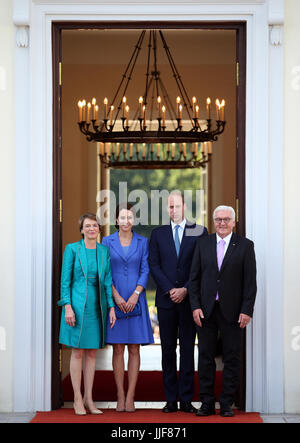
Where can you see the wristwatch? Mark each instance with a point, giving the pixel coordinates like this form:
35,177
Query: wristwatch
137,292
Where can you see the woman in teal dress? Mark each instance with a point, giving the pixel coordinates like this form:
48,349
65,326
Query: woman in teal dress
86,297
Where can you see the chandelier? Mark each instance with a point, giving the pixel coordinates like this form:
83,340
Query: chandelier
159,133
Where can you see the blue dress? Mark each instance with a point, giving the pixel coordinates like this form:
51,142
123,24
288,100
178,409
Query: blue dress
130,269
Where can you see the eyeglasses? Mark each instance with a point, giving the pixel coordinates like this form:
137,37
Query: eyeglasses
220,220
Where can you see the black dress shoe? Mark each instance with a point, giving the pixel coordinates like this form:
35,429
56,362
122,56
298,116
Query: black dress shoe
170,406
186,406
226,411
206,410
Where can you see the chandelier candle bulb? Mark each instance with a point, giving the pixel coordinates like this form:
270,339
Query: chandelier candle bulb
197,111
105,101
159,106
178,103
223,110
180,112
123,105
218,107
141,106
126,114
163,116
131,150
184,149
94,109
173,150
158,150
209,147
96,112
144,150
194,102
111,114
118,149
83,110
88,112
79,111
208,103
196,150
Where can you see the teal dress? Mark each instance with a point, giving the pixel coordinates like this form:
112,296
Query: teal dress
90,336
86,284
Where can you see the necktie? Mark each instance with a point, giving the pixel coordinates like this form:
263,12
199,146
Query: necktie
220,256
220,252
176,239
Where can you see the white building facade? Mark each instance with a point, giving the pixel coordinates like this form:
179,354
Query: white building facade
272,203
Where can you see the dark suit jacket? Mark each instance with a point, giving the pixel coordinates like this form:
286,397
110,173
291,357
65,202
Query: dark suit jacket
235,282
168,270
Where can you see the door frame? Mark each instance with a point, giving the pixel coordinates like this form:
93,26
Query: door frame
264,211
57,28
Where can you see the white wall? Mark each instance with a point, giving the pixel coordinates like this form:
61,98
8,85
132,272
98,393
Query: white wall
291,313
7,210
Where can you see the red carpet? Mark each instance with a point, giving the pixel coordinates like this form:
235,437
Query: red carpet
141,416
149,386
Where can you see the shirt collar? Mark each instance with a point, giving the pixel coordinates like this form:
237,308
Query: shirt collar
226,239
181,225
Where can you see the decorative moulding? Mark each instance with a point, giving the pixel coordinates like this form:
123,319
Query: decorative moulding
22,36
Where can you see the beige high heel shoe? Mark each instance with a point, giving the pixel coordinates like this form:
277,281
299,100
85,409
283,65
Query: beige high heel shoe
95,411
78,411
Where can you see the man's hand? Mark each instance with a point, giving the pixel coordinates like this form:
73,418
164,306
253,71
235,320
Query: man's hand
177,295
244,320
197,316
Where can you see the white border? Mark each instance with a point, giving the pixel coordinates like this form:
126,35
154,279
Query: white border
264,181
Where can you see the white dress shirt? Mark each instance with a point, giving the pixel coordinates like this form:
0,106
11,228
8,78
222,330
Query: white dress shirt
180,230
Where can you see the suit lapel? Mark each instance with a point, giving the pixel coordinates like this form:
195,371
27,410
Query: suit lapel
214,250
99,260
170,241
116,245
82,258
231,247
184,239
133,246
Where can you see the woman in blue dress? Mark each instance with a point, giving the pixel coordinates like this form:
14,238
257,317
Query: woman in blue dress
129,264
86,297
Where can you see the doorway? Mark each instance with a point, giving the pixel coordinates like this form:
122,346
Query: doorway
78,72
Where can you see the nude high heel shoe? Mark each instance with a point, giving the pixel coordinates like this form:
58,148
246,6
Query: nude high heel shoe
95,411
79,411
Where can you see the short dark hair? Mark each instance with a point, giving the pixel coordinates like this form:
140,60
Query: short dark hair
83,217
120,207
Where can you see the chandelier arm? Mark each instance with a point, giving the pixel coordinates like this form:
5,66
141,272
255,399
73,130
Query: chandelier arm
177,77
132,62
152,102
156,73
148,69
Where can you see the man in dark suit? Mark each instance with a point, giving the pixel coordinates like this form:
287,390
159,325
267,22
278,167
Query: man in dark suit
222,295
170,257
